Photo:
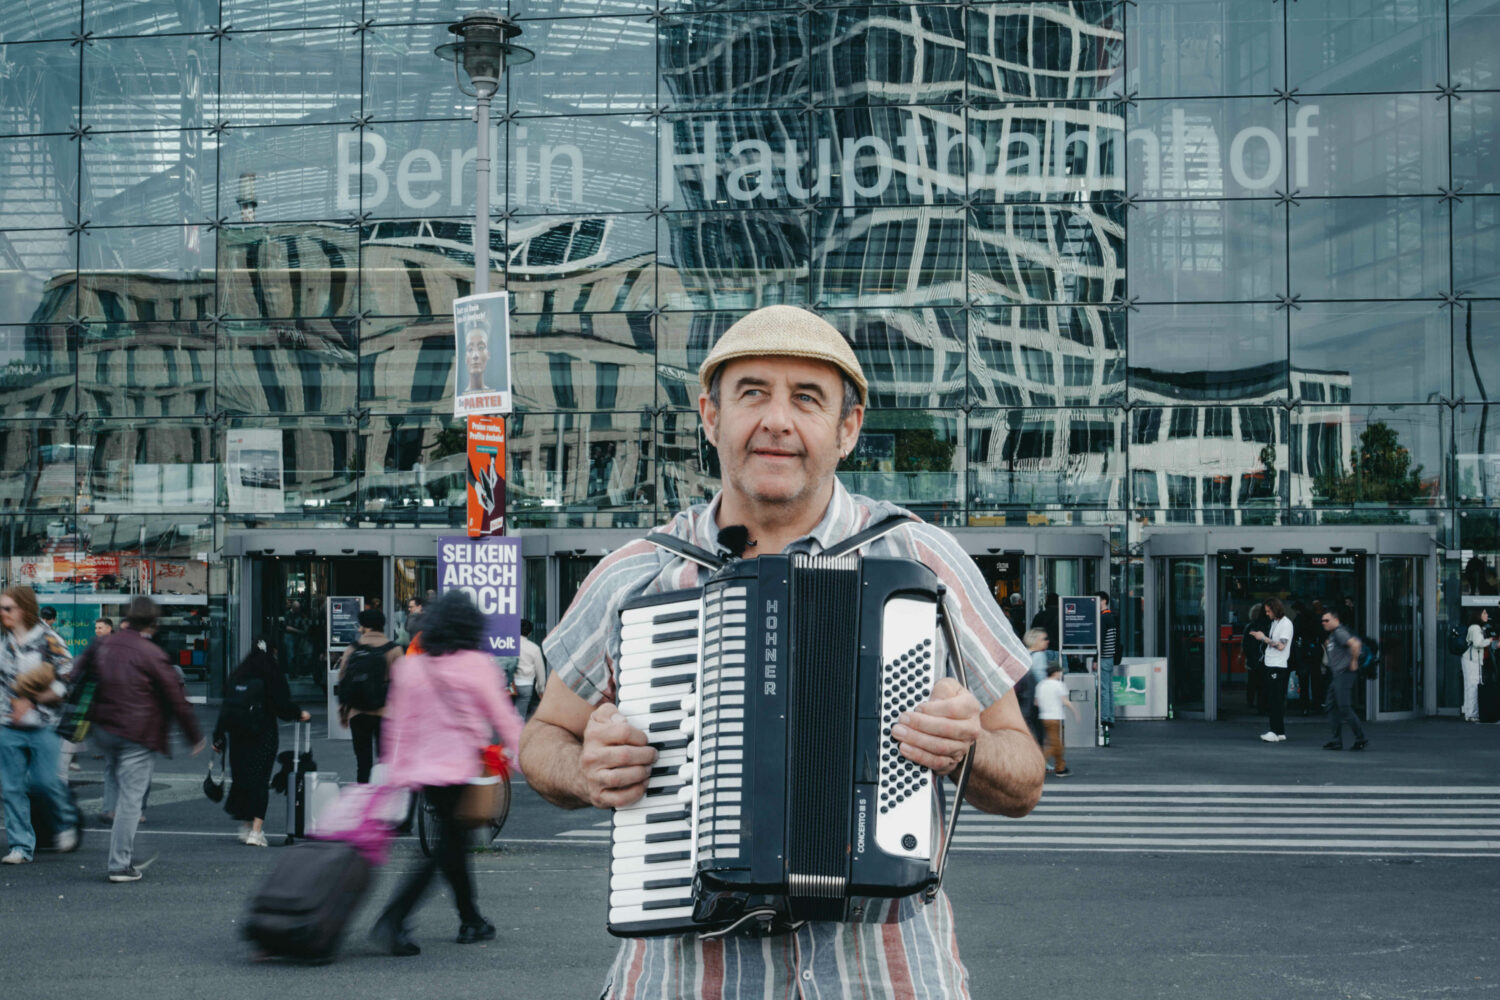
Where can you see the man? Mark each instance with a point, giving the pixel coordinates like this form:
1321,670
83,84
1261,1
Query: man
1278,655
783,402
137,688
103,627
1109,652
531,668
414,607
357,710
1343,667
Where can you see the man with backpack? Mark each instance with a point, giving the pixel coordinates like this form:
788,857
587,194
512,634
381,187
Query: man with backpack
1343,648
364,677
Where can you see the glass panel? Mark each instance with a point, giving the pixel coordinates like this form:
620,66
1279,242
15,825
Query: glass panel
414,469
406,365
1186,635
166,465
888,256
721,61
564,361
599,163
1476,246
1040,458
145,273
1046,253
913,358
418,578
403,80
1401,634
295,172
306,270
592,65
1476,365
597,263
147,18
255,15
296,366
1385,352
36,276
1045,152
411,11
39,92
1345,46
271,77
139,178
1473,26
1213,149
35,21
1205,251
1476,446
732,260
553,8
291,468
1043,51
1213,457
146,369
1068,577
418,267
579,461
1046,356
928,165
689,466
1369,248
1371,145
1204,48
1367,456
876,55
1208,353
1476,123
37,466
771,152
36,371
160,81
421,170
38,182
910,457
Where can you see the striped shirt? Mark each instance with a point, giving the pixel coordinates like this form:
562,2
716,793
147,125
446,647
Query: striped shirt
901,949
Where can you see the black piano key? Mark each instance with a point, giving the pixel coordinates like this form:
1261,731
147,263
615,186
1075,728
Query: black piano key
668,883
663,770
665,706
664,726
686,614
666,637
667,836
676,816
664,790
667,857
674,661
667,904
661,682
671,744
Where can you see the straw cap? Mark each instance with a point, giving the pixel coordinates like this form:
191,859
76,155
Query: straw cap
785,332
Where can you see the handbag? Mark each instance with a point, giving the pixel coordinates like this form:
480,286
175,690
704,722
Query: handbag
1293,686
214,789
476,803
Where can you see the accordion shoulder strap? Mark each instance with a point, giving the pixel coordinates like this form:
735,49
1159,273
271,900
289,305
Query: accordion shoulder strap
687,550
863,538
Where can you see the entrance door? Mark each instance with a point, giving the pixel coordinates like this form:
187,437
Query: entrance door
1005,576
1400,680
1180,627
291,606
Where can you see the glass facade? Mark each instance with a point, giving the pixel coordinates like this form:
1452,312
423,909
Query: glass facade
1127,266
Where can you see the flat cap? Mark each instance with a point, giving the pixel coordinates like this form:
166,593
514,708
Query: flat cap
785,332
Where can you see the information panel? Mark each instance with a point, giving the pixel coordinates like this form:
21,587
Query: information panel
1079,628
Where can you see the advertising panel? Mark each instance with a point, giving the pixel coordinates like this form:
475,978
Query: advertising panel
489,571
481,341
486,476
254,471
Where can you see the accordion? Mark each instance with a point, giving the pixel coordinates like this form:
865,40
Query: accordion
778,795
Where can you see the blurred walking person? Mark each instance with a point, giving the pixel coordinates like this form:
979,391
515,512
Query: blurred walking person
137,689
255,698
364,684
1343,649
34,672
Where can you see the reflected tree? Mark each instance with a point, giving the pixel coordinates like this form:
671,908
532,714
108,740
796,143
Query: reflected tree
1380,472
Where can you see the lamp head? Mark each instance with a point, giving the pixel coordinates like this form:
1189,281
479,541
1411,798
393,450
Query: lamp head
483,50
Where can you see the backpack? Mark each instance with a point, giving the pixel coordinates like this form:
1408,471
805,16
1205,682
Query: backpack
1458,641
367,678
245,704
1369,656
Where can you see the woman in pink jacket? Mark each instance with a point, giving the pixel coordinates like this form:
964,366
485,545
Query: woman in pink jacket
444,705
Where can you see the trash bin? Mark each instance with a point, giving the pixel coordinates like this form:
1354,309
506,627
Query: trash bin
1141,687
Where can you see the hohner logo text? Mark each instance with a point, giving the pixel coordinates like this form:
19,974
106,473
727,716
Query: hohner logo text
769,687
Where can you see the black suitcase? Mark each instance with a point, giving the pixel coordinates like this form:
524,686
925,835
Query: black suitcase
303,906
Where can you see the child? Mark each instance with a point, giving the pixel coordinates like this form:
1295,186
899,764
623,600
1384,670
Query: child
1051,699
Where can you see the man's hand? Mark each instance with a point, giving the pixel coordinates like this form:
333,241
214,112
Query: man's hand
198,747
939,733
616,759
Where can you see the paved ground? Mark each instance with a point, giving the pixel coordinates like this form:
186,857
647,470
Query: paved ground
1188,859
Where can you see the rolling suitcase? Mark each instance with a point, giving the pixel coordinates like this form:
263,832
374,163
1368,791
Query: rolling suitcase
302,908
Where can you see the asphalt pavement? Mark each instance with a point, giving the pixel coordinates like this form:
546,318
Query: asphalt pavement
1187,859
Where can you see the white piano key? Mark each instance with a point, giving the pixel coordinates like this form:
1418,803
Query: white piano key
621,898
639,848
626,915
637,880
652,815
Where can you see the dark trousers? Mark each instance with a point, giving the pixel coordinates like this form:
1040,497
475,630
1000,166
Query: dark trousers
451,855
1341,710
1276,698
366,732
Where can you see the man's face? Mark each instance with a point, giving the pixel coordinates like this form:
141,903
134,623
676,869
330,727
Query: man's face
777,428
476,352
1329,622
412,607
102,628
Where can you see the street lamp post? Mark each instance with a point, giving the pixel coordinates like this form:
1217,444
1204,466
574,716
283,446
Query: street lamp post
483,49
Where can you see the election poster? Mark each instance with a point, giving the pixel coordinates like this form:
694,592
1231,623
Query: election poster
481,335
489,571
253,468
486,476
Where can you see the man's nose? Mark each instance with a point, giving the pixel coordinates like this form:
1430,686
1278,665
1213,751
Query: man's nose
776,416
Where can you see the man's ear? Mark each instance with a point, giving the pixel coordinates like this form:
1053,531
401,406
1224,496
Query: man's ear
849,429
709,414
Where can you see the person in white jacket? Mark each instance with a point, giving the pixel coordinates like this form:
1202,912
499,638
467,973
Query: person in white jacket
1473,664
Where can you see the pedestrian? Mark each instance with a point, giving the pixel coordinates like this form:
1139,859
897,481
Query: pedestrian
138,696
1254,651
1342,648
364,676
1051,700
35,669
1035,640
414,607
256,696
531,670
1109,651
1046,620
443,707
1278,652
1476,643
102,627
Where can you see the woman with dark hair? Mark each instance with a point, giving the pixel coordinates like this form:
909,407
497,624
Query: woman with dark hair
254,699
443,707
1476,642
